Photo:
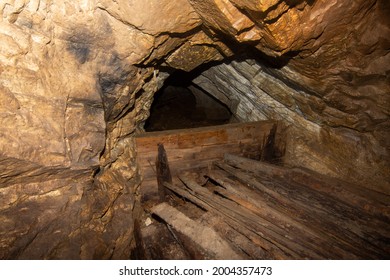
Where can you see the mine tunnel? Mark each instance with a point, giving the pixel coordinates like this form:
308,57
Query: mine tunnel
229,175
182,104
178,130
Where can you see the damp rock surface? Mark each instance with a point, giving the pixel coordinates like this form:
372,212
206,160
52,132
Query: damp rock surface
77,80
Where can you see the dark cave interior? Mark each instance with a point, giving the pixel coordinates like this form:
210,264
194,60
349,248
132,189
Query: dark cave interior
180,104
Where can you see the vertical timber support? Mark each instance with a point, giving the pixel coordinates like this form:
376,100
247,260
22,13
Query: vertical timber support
163,171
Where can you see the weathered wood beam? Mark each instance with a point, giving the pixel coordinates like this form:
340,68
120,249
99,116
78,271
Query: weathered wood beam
163,171
203,236
267,209
196,145
197,148
356,196
155,242
258,240
235,238
341,222
358,210
266,229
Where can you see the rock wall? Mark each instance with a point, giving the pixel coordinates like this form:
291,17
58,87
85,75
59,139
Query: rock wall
256,92
77,79
72,91
325,71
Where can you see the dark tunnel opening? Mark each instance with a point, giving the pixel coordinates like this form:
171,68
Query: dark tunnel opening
180,104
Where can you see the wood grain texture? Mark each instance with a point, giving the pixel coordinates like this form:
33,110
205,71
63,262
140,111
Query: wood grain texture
196,148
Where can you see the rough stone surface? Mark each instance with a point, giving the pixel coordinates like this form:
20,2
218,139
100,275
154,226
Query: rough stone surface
77,80
71,94
198,50
261,93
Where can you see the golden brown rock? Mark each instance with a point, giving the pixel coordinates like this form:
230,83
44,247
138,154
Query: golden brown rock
67,89
77,80
153,17
197,50
223,16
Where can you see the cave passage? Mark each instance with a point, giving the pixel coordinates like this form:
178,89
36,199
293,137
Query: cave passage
180,104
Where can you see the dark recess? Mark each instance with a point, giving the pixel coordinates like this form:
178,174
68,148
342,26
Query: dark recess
180,104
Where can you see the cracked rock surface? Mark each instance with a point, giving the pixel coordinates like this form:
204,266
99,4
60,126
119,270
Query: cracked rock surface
77,80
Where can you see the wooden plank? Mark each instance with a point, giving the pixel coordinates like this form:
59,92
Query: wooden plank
346,229
356,196
269,211
205,135
363,217
203,236
268,230
199,152
156,242
258,240
235,238
196,148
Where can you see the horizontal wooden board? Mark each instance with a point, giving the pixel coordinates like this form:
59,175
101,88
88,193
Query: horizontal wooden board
203,236
199,147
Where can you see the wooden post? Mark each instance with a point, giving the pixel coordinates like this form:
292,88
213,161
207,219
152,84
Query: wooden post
163,171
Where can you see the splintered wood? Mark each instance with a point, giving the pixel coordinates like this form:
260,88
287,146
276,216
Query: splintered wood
198,148
225,206
271,212
203,236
